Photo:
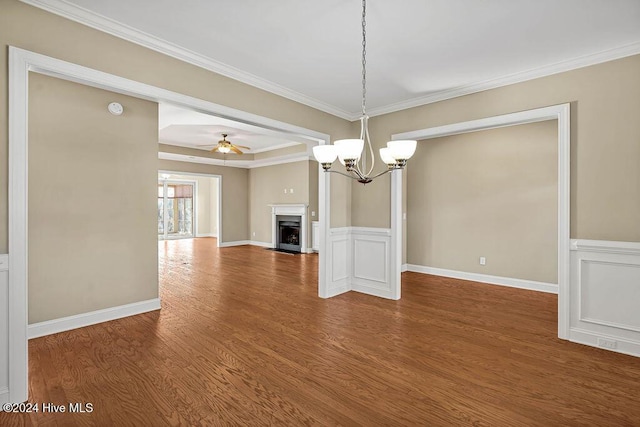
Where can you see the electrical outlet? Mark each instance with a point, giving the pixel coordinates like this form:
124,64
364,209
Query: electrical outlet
483,261
254,234
608,344
285,191
291,190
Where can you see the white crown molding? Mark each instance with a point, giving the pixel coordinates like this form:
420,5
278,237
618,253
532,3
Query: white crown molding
243,164
544,71
115,28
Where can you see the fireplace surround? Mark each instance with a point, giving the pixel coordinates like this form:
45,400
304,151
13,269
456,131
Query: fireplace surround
289,227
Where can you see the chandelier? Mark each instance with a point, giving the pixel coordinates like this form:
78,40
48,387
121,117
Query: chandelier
353,153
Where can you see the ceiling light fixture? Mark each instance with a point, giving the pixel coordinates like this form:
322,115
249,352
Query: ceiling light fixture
352,153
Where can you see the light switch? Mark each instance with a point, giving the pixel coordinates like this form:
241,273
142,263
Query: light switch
285,191
313,213
291,190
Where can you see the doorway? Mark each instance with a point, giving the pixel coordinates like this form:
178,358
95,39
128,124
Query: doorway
176,209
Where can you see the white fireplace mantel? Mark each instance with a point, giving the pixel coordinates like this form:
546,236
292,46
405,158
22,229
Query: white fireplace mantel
292,210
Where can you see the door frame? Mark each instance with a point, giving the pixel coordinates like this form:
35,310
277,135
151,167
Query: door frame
218,201
21,63
561,113
194,207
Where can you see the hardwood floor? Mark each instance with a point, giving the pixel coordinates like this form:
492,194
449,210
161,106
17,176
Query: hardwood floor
243,339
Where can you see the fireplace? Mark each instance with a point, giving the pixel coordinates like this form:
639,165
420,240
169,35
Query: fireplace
289,227
289,233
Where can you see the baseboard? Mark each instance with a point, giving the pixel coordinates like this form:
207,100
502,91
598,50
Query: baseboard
4,395
236,243
261,244
404,268
86,319
485,278
581,336
207,235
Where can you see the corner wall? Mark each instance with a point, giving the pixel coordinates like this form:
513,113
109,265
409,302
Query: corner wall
92,181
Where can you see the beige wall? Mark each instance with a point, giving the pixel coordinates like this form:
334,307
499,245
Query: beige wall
266,186
33,29
234,196
605,143
92,200
206,203
491,193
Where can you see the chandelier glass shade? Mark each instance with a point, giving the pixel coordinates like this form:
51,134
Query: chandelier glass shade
355,154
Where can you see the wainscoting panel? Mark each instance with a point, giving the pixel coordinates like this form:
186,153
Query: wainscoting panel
339,247
371,261
4,329
605,295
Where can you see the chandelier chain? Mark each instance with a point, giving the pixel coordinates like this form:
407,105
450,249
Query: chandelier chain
364,56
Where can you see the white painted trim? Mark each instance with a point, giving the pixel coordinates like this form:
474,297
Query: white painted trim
4,395
107,25
55,326
243,164
404,268
561,113
207,235
260,244
605,246
4,262
21,62
235,243
219,202
624,346
485,278
369,231
536,73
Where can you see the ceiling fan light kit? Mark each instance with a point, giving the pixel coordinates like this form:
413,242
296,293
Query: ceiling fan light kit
226,147
351,152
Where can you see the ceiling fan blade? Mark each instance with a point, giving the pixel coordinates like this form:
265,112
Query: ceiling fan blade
235,150
215,149
242,146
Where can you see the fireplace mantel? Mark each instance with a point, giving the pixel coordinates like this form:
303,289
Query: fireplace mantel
290,210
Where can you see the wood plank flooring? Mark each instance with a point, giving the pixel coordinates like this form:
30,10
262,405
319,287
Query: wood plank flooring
243,339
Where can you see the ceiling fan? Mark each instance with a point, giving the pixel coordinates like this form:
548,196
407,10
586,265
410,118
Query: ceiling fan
225,146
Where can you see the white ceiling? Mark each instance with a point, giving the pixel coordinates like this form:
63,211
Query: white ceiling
419,51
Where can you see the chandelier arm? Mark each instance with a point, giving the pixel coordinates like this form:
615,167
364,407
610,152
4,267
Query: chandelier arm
357,176
382,173
368,142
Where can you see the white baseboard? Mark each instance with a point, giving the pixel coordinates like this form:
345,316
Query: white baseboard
485,278
86,319
624,346
4,395
261,244
207,235
236,243
404,267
